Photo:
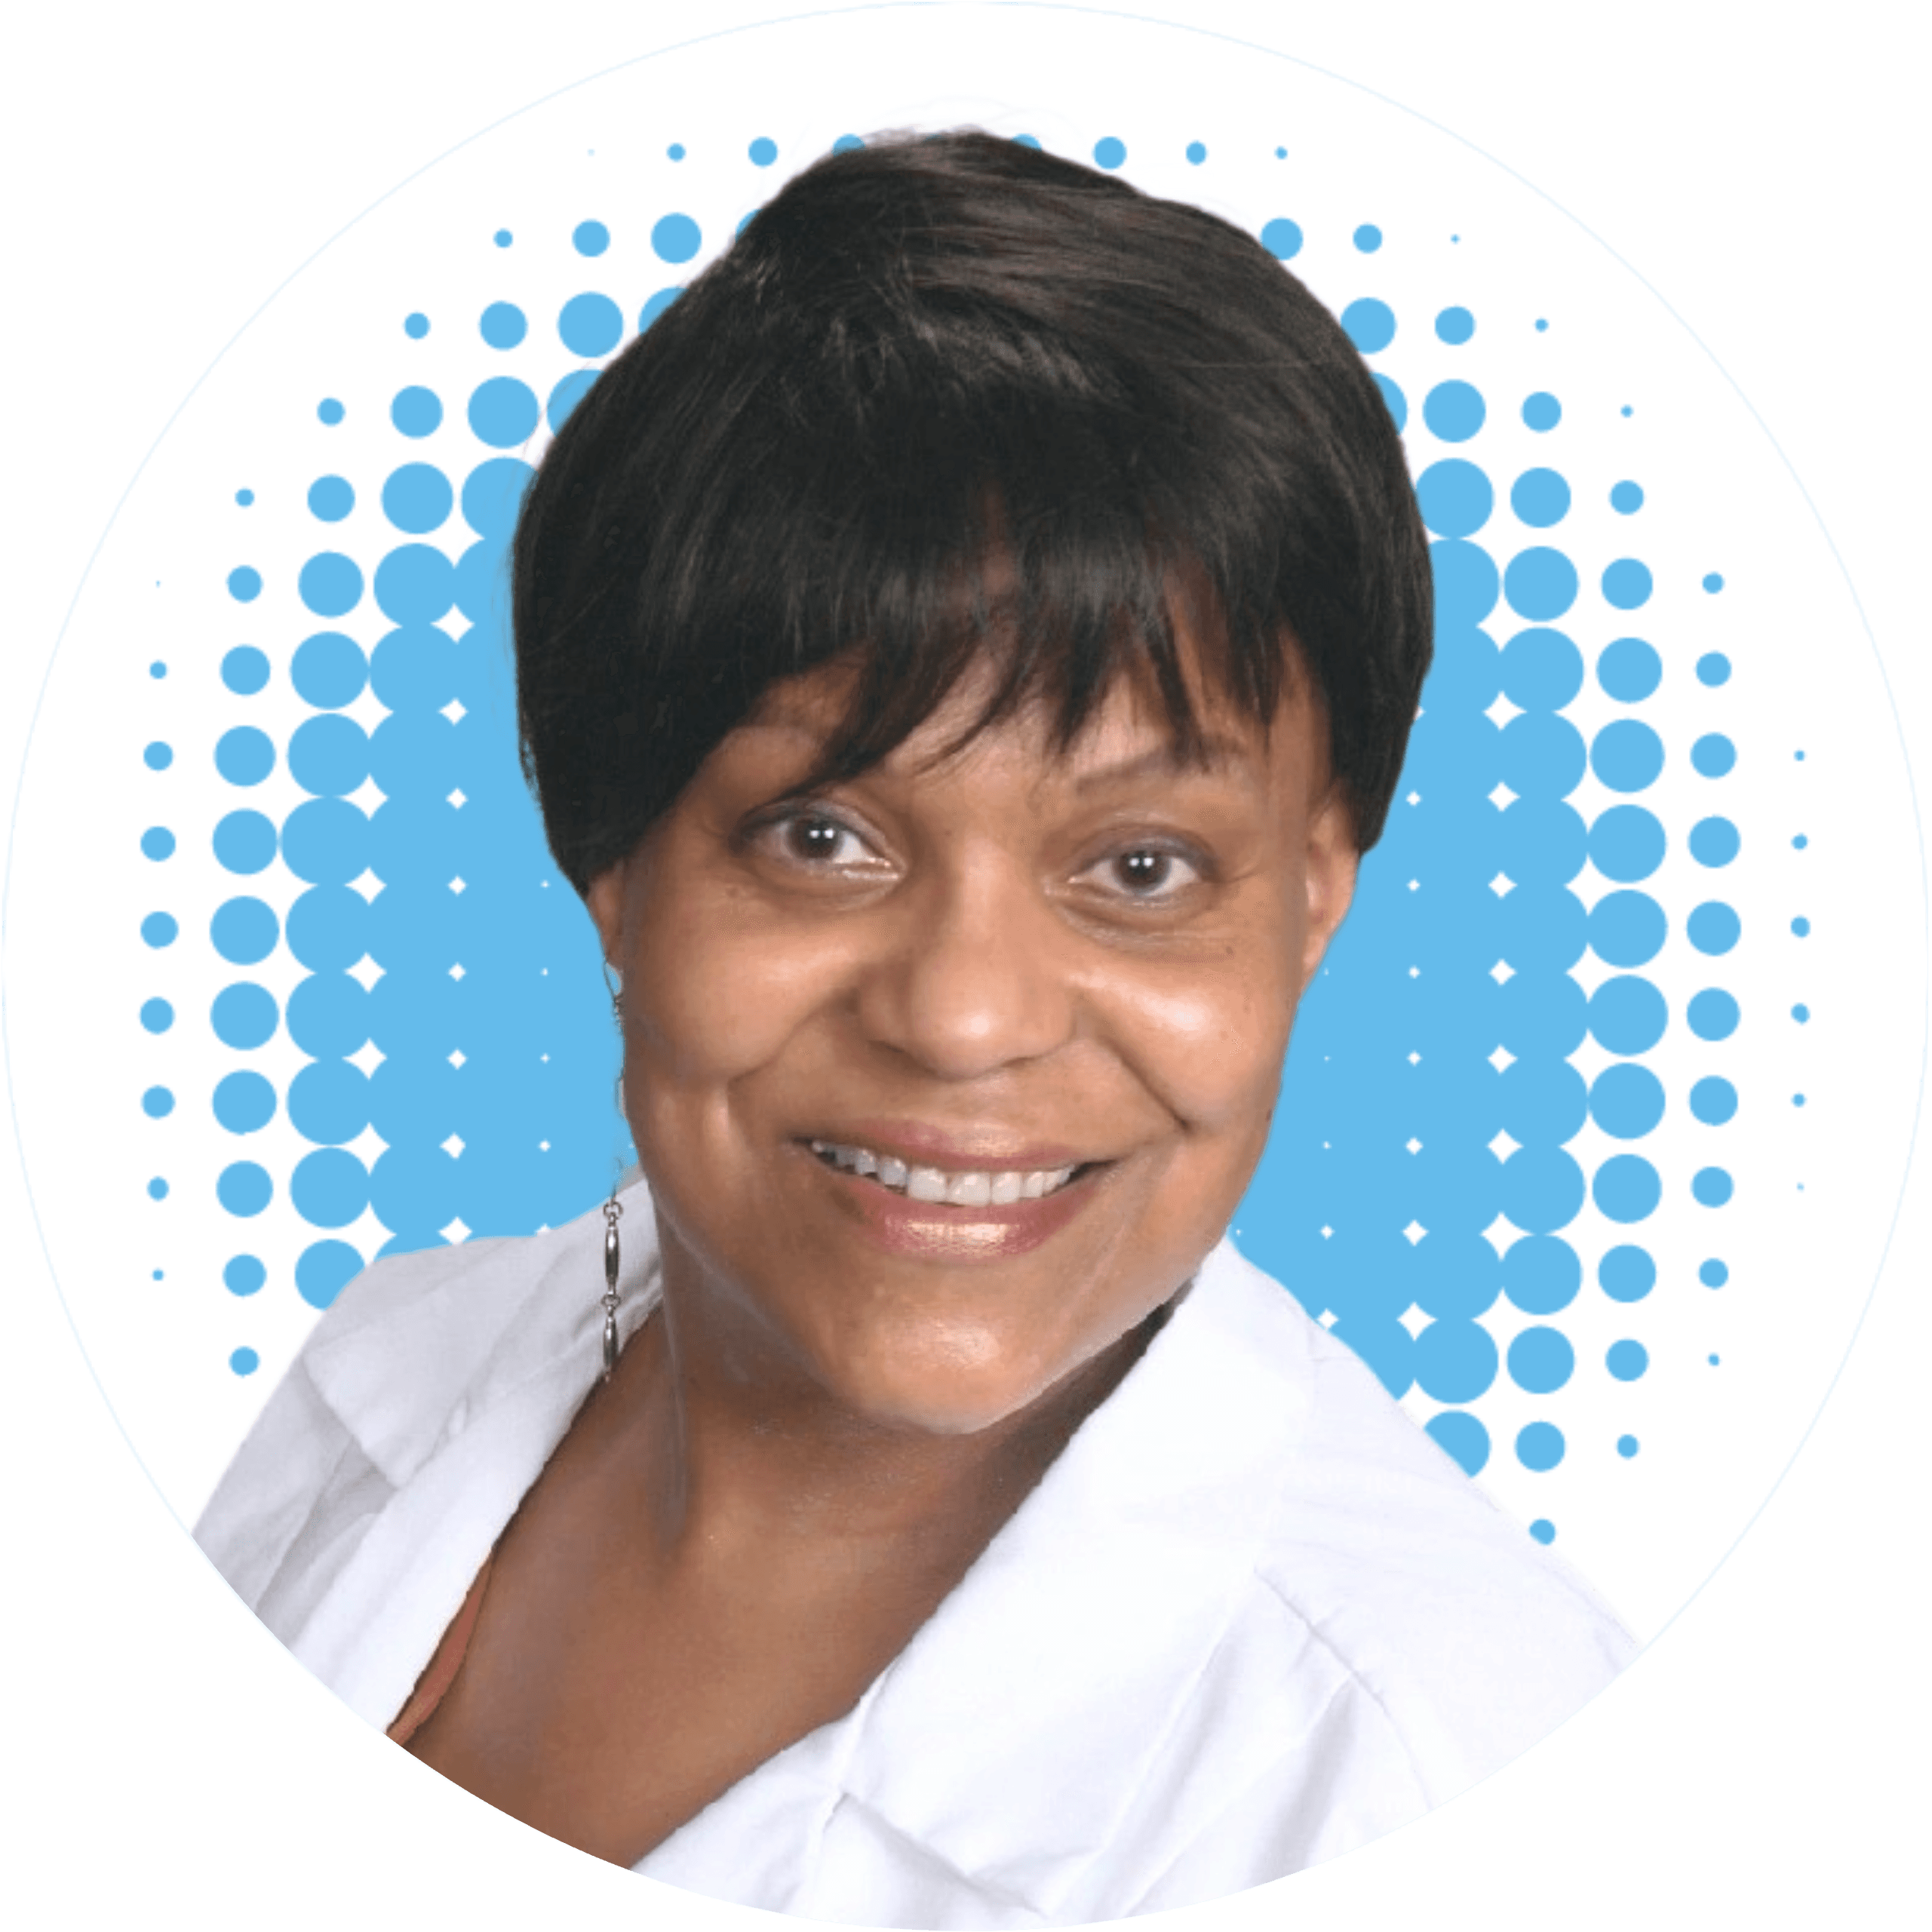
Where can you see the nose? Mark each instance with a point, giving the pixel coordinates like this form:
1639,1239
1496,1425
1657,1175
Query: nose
973,975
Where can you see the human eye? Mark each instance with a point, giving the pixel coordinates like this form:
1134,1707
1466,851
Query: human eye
1148,873
809,839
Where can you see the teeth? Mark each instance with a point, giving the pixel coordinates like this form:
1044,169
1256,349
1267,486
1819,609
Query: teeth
976,1189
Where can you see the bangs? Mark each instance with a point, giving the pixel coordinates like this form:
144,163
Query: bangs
954,403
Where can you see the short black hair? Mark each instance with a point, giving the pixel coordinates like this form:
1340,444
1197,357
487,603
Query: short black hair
925,359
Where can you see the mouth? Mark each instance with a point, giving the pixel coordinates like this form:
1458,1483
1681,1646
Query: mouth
974,1187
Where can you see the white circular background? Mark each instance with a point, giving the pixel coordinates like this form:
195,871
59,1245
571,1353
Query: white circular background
1817,1189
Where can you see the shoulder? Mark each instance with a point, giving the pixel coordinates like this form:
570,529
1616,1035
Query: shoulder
412,1345
1470,1640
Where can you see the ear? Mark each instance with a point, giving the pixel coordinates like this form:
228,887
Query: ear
1331,860
605,900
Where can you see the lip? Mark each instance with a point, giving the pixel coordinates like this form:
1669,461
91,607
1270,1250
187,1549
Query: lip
938,1231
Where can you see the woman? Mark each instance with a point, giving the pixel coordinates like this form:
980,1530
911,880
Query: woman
962,650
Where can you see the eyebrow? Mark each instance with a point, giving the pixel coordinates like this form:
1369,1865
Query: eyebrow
1215,754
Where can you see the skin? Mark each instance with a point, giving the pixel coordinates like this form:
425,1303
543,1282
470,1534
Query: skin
994,956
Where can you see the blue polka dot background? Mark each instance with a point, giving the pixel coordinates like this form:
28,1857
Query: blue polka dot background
1596,1117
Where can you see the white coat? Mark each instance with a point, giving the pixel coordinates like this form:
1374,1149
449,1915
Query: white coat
1250,1618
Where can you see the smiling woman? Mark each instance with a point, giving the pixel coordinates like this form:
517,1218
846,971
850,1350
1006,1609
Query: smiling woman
963,647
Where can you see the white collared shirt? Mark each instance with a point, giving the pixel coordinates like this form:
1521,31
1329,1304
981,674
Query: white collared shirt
1252,1616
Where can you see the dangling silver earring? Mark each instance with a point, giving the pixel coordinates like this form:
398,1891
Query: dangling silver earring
612,1209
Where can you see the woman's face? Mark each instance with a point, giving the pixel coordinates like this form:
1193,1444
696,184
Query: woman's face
944,1078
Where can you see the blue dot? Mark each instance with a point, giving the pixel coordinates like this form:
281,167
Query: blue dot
1281,154
243,931
1628,670
1713,755
1801,926
244,671
1627,1014
1455,326
1626,1446
1627,929
244,1015
493,493
1713,583
330,498
416,411
1711,1014
1713,1361
655,307
763,151
1626,583
1460,1436
328,757
1713,668
676,150
676,238
1368,238
1713,1101
1627,844
1710,1187
1627,1360
244,586
1798,843
245,1361
1197,152
1713,1274
244,842
1540,498
1541,1360
325,1269
245,1103
330,584
1539,584
1454,411
1542,670
330,410
1540,1446
1454,497
1627,1101
1626,410
1281,238
157,669
157,1189
158,756
159,929
1801,1014
566,396
1541,1274
1454,1360
326,841
1626,499
1627,1273
330,1188
1627,1189
1371,324
243,1188
590,325
157,1015
1542,411
415,584
503,325
329,1102
592,238
502,237
244,497
1713,928
157,1103
1627,756
503,412
158,843
1714,842
244,1275
1543,1529
416,327
1798,1100
245,756
1542,326
417,498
